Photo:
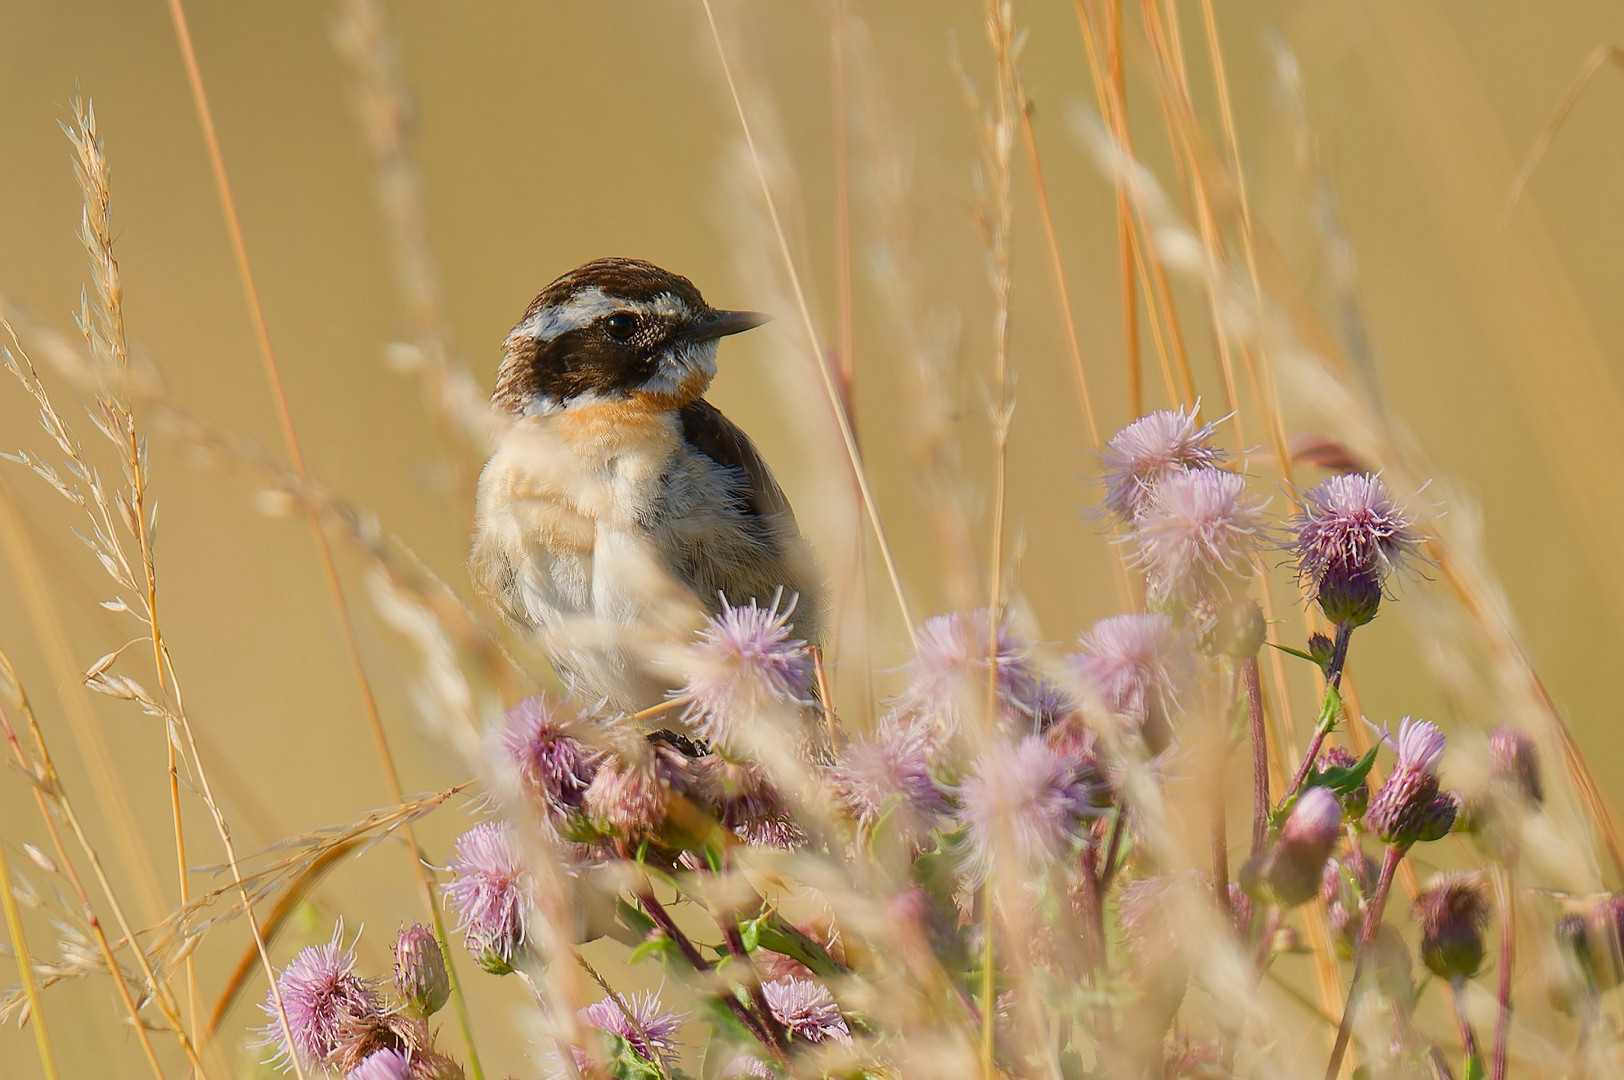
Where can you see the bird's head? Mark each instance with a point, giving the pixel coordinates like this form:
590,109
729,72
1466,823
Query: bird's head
614,329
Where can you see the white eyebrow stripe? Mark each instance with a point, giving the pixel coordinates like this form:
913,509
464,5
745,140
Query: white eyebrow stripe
591,304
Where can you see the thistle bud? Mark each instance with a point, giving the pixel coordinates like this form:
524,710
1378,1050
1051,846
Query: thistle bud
1294,868
1591,950
1452,912
1321,648
1408,809
421,978
1514,765
1346,883
1241,630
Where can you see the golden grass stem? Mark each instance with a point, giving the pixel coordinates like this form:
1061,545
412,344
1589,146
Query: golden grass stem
25,969
290,438
848,437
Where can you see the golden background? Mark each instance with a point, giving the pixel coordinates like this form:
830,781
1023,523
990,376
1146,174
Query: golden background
552,133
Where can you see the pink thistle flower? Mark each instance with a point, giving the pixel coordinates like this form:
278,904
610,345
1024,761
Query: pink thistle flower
1199,535
1348,536
1142,454
1409,807
746,803
554,767
947,679
648,1027
385,1064
490,889
807,1010
1135,665
630,798
889,772
1022,808
744,663
324,999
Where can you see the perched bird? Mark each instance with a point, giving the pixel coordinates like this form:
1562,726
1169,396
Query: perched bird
620,507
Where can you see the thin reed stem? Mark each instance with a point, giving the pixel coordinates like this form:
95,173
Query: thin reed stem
1260,753
1506,899
1367,936
290,438
25,969
848,436
1463,1024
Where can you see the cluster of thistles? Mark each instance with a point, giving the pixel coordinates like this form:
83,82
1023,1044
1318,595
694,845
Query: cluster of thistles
998,783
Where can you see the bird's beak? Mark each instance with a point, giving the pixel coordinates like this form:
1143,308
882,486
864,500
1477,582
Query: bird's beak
719,324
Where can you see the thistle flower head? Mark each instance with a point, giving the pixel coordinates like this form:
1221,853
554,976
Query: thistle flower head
386,1064
947,678
890,772
630,798
1409,807
648,1027
324,999
489,888
1198,536
1140,455
1294,869
1022,808
554,767
1452,911
1135,666
746,802
421,978
1348,536
807,1010
744,662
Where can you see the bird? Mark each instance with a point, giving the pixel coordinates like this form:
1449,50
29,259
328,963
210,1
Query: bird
620,508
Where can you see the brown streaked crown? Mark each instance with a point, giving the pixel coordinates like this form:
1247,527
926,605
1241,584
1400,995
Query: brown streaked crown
598,329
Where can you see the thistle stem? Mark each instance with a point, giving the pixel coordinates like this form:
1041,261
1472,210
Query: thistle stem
1333,683
1367,935
662,918
1468,1037
1508,955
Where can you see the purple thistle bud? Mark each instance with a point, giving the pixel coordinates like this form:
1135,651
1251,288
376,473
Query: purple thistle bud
1140,455
323,998
1409,808
1348,536
1452,912
807,1010
1356,801
1295,868
385,1064
746,803
1198,537
1590,940
1022,808
1321,648
1514,765
421,978
490,889
889,773
947,679
648,1027
631,797
743,664
1135,665
554,767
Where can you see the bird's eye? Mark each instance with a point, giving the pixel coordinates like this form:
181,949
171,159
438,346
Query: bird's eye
620,326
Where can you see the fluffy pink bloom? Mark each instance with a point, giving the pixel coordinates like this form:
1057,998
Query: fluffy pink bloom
489,888
744,662
1151,448
1022,808
947,679
1348,535
807,1009
554,766
1420,745
1199,536
630,798
889,772
1135,665
746,802
1409,807
324,1000
385,1064
646,1024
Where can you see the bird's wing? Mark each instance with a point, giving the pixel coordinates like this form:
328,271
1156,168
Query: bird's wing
719,439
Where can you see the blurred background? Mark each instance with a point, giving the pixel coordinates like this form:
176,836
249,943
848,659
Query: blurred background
548,134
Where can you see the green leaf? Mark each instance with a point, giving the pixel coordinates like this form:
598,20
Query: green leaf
1474,1068
1330,709
777,934
1289,651
1342,779
633,918
750,934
